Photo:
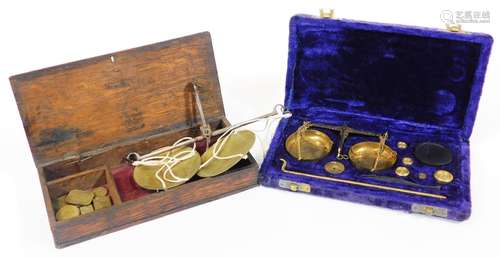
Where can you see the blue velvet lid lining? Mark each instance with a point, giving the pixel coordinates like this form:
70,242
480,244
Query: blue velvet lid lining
421,76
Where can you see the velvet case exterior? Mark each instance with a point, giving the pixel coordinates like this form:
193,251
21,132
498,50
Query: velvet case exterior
418,84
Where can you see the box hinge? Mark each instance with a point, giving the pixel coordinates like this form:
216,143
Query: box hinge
294,186
429,210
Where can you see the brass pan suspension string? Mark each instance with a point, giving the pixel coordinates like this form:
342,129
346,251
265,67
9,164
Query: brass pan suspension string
383,138
357,183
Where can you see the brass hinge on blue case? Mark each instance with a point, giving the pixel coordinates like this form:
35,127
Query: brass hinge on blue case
294,186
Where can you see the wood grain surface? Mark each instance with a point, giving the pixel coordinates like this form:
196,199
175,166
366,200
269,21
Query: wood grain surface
88,114
77,107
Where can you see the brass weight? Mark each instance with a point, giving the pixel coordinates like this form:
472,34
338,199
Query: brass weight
101,202
407,161
334,167
402,171
80,202
422,176
402,145
100,191
443,176
67,212
308,144
79,197
86,209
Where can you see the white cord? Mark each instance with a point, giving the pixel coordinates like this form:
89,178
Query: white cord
167,162
221,141
217,147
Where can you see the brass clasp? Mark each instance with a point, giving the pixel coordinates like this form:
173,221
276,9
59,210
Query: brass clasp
326,13
454,27
429,210
294,186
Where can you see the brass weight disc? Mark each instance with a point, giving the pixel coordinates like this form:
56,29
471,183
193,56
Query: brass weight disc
407,161
364,155
402,145
334,167
145,177
67,212
79,197
309,144
402,171
100,191
443,176
239,142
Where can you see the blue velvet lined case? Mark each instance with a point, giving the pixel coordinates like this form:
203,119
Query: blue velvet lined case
418,84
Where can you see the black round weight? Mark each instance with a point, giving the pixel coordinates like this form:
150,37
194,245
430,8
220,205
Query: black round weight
433,154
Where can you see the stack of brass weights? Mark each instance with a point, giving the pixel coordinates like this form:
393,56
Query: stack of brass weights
80,202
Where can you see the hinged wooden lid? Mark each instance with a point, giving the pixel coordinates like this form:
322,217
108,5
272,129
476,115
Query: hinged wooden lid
87,105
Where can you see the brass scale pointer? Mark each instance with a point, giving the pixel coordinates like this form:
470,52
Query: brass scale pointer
344,132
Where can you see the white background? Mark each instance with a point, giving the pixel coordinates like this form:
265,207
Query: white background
250,43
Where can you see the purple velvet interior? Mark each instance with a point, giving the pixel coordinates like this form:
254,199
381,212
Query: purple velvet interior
417,84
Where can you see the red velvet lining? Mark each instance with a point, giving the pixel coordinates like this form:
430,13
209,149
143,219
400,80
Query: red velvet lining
125,184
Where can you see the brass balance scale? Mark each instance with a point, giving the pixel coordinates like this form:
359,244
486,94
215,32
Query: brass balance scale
308,143
176,164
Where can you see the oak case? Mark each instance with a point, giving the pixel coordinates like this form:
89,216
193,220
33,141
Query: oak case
91,113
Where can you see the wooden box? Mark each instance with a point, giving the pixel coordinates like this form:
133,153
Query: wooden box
90,114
